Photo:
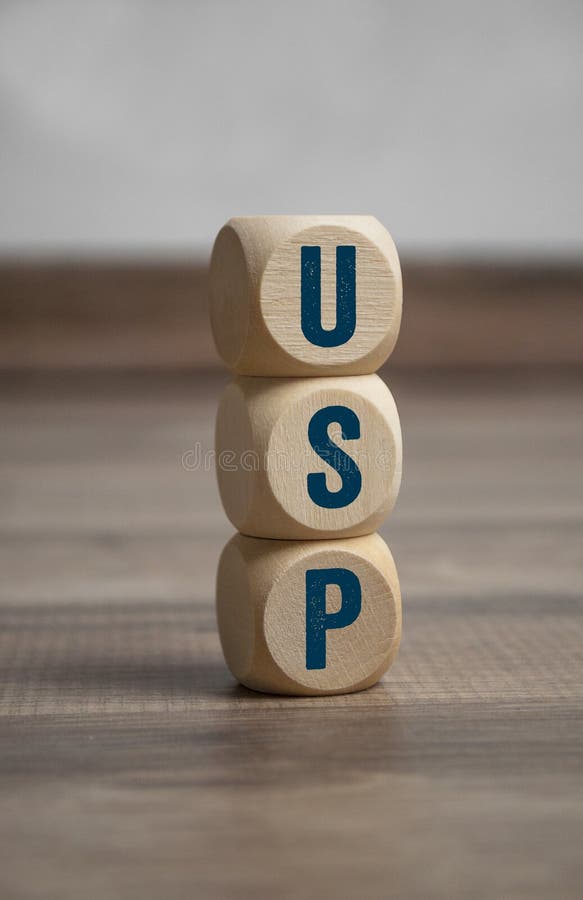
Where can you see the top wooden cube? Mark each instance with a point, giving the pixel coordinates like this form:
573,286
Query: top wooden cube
305,295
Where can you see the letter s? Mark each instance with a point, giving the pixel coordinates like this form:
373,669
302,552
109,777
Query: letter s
334,456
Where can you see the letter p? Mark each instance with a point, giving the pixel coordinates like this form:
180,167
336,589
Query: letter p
318,621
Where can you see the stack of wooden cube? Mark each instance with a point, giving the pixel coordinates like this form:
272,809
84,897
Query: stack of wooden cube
304,310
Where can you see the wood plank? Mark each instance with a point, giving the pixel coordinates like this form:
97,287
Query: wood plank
132,766
148,315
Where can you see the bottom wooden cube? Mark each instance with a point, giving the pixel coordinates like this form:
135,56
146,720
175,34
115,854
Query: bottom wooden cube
308,617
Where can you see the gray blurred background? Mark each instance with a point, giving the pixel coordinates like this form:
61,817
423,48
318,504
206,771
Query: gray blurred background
135,128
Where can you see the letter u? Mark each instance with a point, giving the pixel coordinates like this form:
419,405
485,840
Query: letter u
312,296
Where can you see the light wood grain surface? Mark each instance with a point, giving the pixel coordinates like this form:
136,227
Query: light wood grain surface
133,767
262,601
257,276
264,457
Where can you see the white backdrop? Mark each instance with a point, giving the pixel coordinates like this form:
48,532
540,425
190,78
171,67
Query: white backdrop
141,126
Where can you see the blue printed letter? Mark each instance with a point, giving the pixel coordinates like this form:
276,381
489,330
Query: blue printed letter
318,621
334,456
345,297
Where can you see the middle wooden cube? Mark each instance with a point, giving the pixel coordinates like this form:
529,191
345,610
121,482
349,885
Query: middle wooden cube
308,458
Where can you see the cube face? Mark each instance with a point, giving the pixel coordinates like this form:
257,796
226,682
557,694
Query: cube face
308,458
305,295
308,617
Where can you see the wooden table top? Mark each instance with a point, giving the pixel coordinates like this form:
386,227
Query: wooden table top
131,765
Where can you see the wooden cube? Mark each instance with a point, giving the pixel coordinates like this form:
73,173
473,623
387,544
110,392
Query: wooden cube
305,295
308,617
308,458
